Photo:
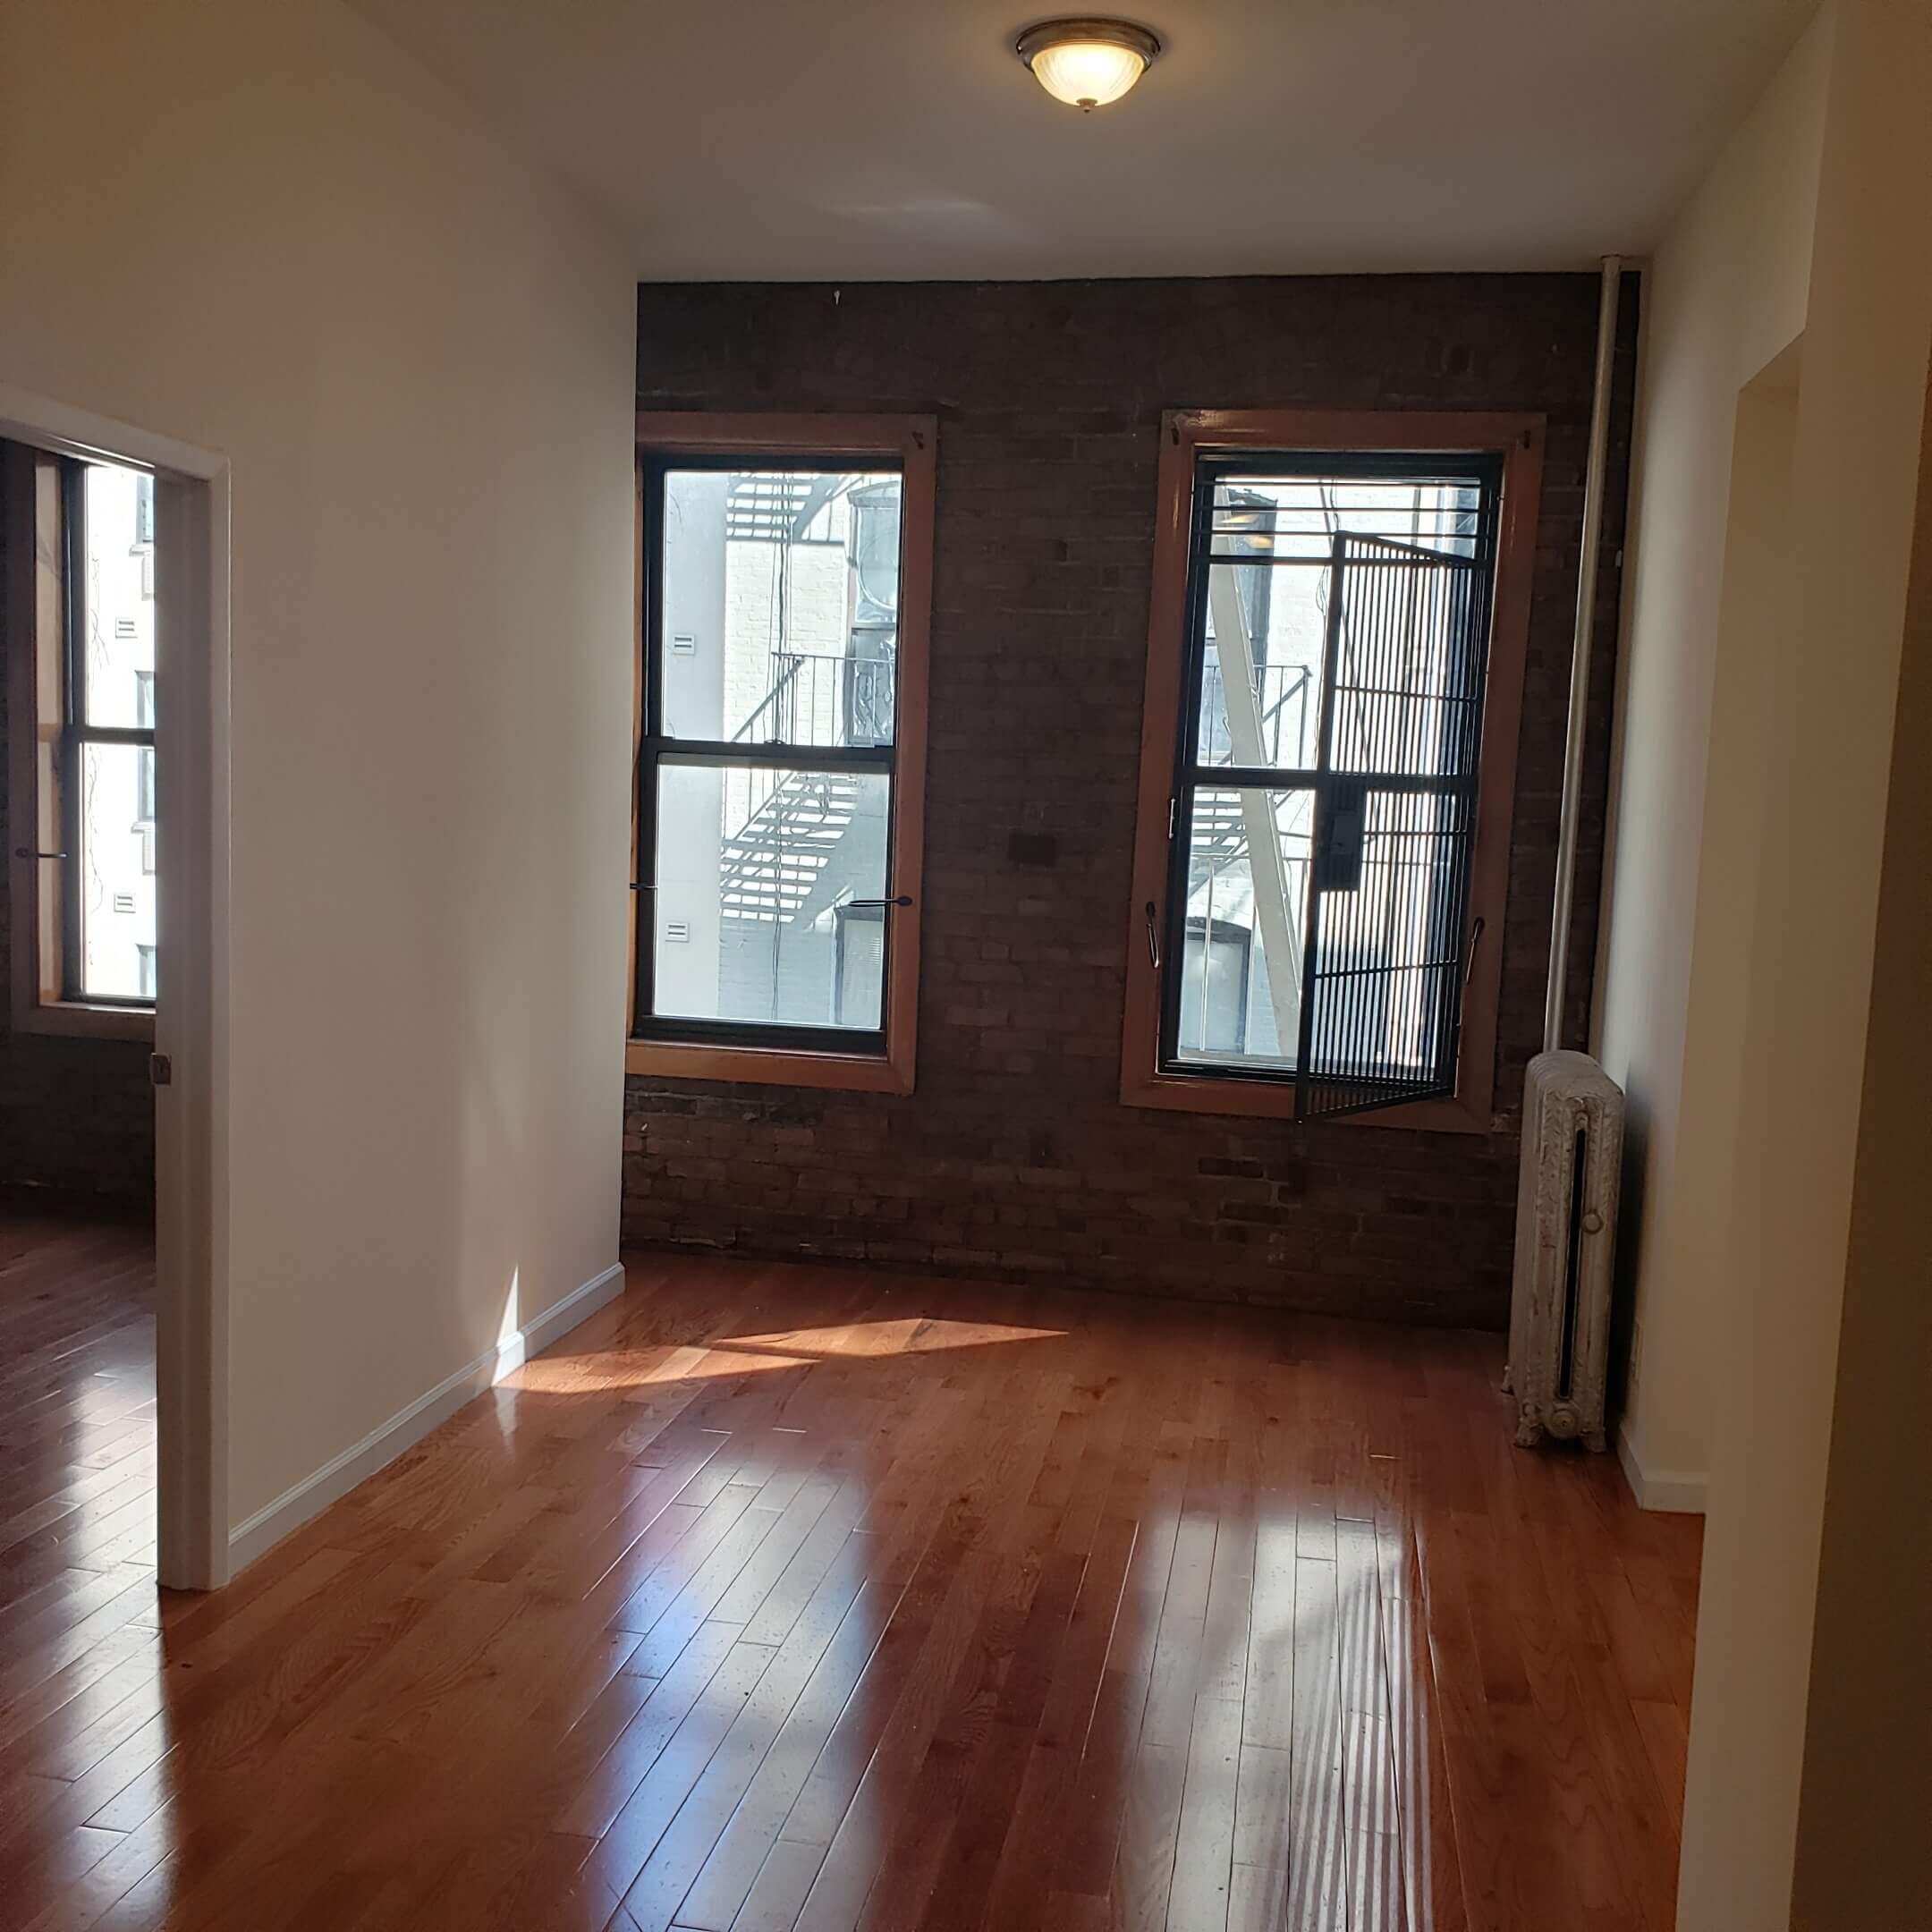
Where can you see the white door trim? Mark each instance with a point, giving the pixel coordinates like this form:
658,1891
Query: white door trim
191,936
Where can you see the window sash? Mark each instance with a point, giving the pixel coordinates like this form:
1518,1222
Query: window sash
895,445
76,733
831,1038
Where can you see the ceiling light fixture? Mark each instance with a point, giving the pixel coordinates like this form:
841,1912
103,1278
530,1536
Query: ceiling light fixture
1087,62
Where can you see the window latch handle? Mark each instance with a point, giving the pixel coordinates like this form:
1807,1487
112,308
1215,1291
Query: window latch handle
27,851
1153,936
904,899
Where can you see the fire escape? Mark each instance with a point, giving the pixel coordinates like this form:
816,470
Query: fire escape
785,827
1282,695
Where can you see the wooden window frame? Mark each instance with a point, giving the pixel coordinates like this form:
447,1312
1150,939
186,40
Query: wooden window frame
1188,434
39,498
909,444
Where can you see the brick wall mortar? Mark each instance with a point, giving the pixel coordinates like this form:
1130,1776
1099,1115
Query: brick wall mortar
1015,1157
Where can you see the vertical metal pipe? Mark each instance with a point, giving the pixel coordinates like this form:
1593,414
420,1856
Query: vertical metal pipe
1580,662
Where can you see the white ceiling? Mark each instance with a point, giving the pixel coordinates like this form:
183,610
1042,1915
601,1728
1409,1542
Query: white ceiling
900,139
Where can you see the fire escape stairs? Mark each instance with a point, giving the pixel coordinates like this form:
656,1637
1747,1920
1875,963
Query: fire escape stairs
773,508
773,863
1219,832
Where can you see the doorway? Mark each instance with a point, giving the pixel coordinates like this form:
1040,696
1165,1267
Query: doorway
161,510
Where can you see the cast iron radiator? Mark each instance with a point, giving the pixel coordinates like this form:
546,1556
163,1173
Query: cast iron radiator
1573,1150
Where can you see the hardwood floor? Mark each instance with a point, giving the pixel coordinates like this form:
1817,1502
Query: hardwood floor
781,1598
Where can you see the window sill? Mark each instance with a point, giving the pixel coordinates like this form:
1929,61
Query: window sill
1188,1093
767,1066
77,1019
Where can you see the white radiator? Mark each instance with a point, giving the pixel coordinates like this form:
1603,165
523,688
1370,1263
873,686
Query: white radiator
1572,1150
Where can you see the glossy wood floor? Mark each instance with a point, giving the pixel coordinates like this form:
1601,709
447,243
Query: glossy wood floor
792,1596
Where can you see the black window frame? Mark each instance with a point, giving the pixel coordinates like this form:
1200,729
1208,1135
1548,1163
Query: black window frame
657,749
1483,469
76,733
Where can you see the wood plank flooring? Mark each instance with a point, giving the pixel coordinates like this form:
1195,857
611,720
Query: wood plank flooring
797,1598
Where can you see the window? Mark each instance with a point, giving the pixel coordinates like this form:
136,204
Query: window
784,565
80,618
1333,687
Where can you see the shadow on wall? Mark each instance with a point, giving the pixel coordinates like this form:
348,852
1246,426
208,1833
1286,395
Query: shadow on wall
1630,1225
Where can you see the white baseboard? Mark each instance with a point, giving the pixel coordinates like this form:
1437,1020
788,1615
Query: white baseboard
1675,1492
382,1445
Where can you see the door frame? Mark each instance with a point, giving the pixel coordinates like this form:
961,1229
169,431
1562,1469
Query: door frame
191,517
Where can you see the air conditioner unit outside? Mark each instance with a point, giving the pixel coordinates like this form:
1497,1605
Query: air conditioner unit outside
1573,1152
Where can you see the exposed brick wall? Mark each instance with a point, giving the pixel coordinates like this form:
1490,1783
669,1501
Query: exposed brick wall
1015,1156
75,1114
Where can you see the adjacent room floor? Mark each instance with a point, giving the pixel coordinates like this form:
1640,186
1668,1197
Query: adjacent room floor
77,1415
782,1596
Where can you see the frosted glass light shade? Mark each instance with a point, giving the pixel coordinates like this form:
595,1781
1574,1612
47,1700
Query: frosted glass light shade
1087,62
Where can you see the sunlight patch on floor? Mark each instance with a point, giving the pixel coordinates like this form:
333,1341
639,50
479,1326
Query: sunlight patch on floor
758,1354
914,1334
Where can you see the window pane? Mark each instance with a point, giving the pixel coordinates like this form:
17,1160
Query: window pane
1271,543
1261,683
1298,516
1214,986
114,873
117,607
753,866
1247,893
780,607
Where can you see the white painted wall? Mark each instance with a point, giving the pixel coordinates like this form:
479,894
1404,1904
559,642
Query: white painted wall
1725,296
1777,481
1867,1788
1833,671
265,230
